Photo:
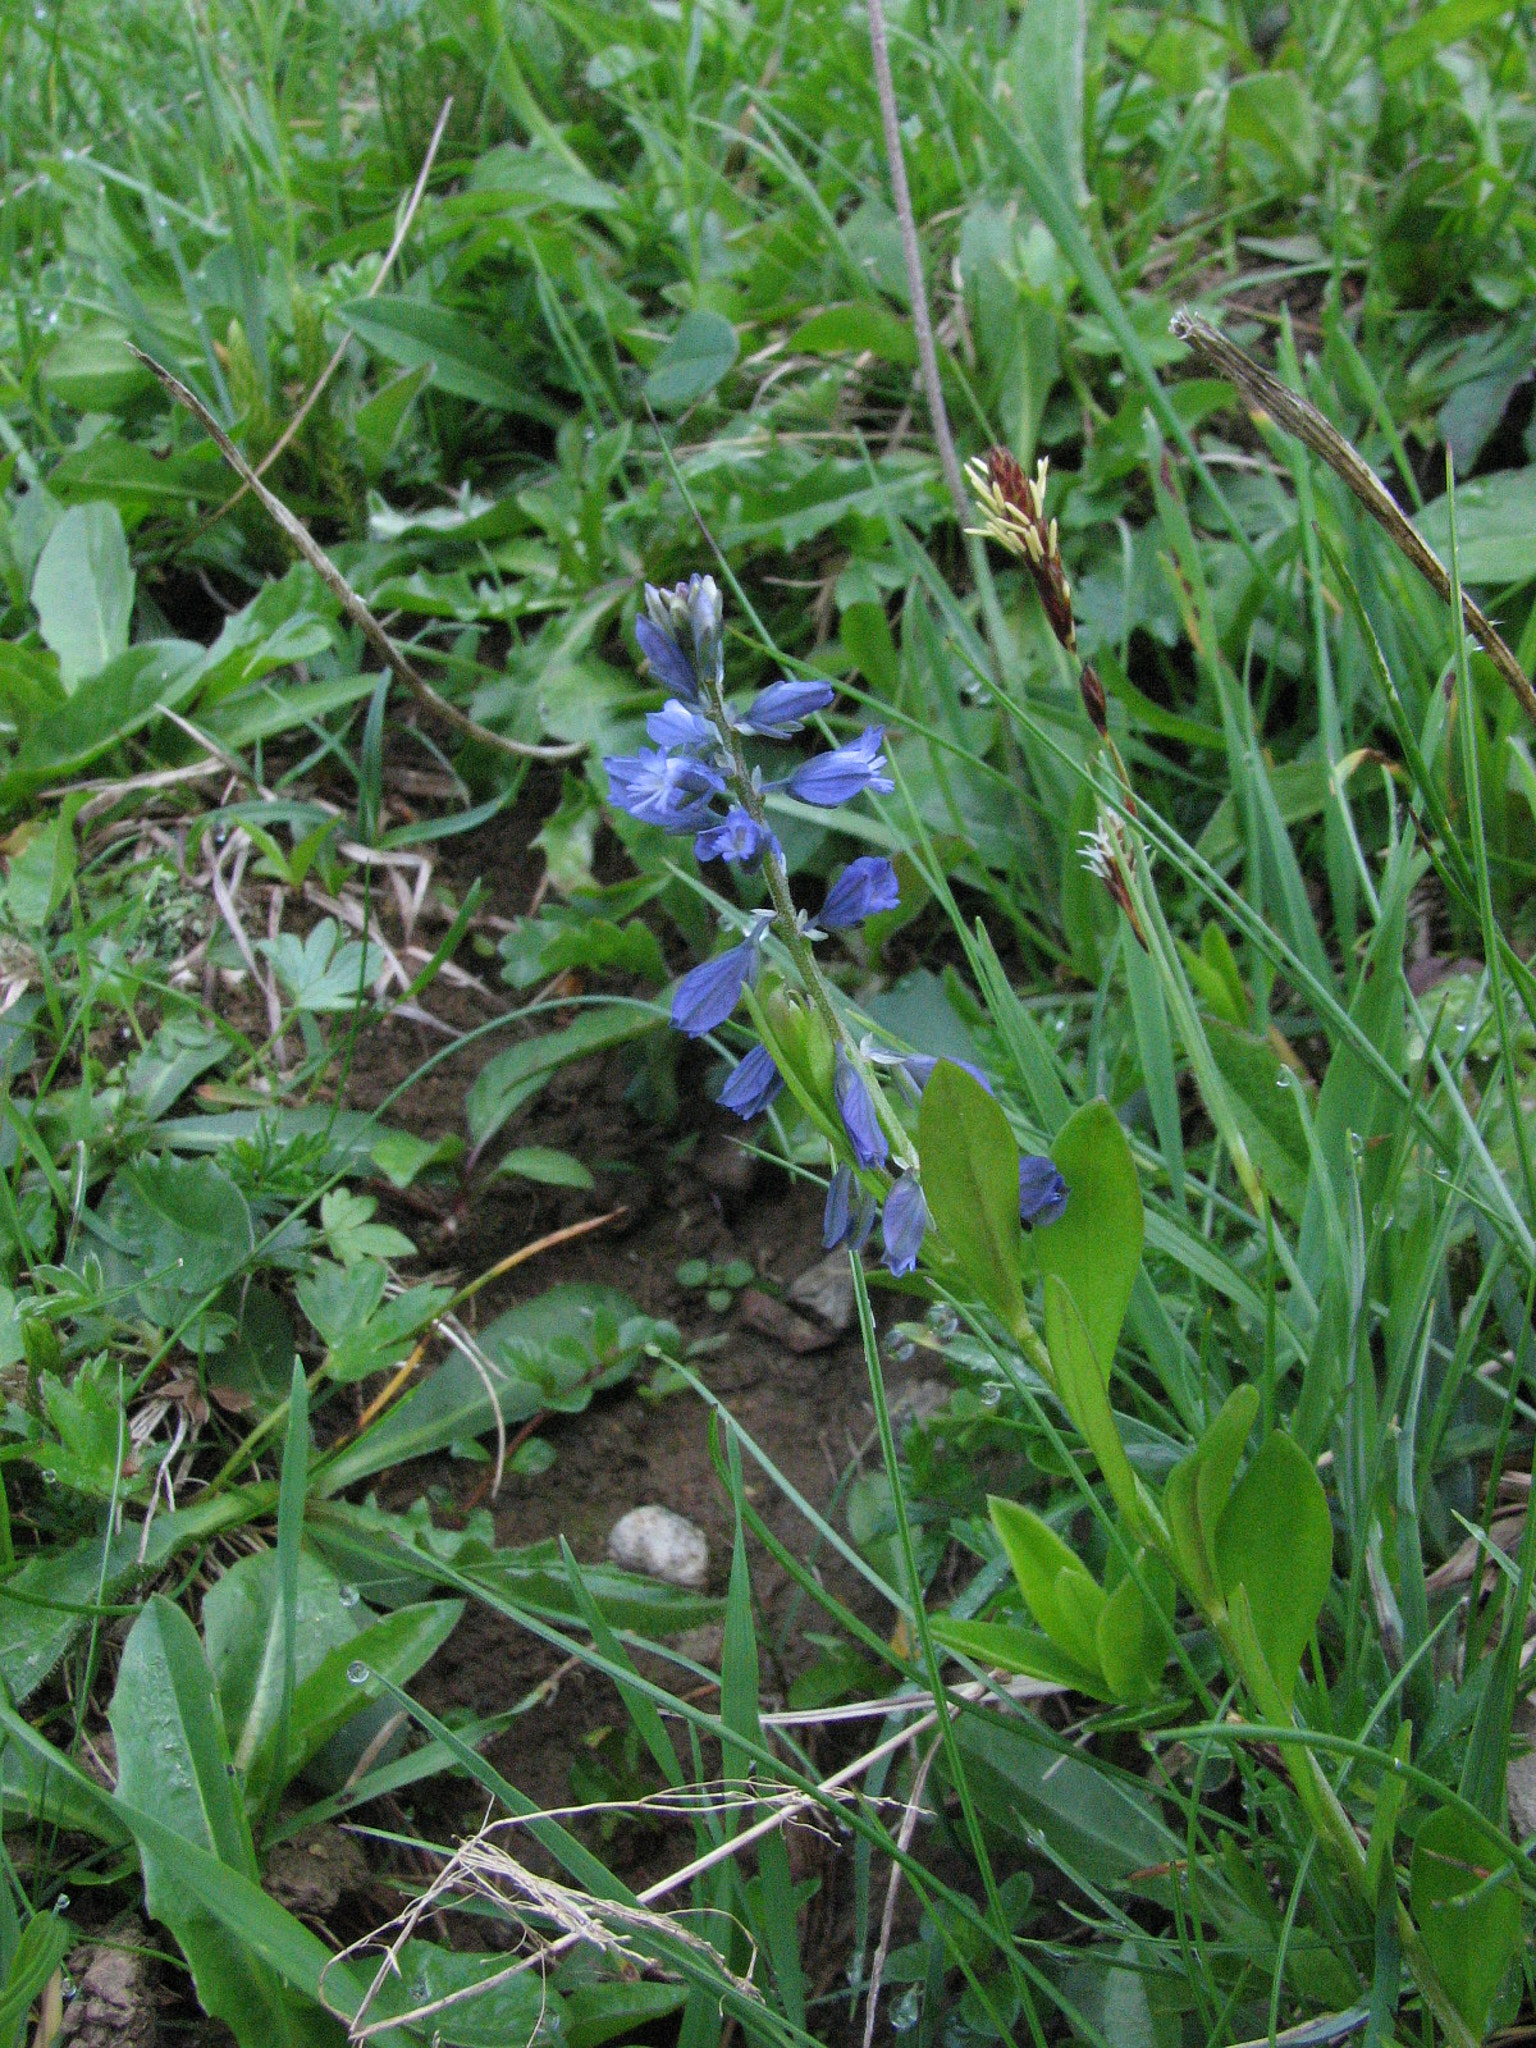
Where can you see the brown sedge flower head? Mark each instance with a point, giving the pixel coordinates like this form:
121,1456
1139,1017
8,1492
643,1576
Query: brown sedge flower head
1105,851
1013,514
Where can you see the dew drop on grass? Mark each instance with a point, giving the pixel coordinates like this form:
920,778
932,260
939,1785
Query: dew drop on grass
50,1477
61,1903
1283,1078
358,1672
990,1397
907,2010
349,1596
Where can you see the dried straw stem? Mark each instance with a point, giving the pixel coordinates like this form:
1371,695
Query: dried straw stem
1266,394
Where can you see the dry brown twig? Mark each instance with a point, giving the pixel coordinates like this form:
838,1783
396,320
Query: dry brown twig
1265,394
299,537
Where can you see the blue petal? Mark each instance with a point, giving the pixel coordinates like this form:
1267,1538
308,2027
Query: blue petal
753,1085
850,1212
870,1145
669,664
904,1224
920,1066
738,837
865,886
783,708
844,773
678,725
704,999
1042,1191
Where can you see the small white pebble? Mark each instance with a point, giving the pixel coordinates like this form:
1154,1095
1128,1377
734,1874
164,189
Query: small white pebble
661,1544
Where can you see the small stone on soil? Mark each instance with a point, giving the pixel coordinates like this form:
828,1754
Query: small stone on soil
115,2005
776,1319
661,1544
825,1291
722,1164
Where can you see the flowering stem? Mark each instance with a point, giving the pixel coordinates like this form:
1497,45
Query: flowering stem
787,925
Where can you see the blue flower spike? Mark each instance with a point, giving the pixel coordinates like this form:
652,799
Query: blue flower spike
868,1142
865,887
755,1083
850,1212
1042,1192
679,726
846,772
903,1224
703,1000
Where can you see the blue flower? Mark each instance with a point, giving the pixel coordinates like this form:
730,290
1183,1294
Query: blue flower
1042,1191
669,790
870,1145
755,1083
903,1224
784,707
706,997
865,886
679,726
738,837
836,777
919,1068
850,1212
706,616
668,661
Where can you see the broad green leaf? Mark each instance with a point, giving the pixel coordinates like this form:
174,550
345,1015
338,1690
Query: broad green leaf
42,868
1002,1646
1044,74
172,1760
970,1164
1436,26
698,355
393,1648
464,361
45,1941
1097,1823
1262,1095
106,709
1131,1633
1273,121
863,328
546,1164
187,1219
259,1933
1495,520
1058,1589
503,1084
82,589
92,371
243,1629
56,1590
1094,1247
1275,1540
519,2008
1466,1901
1081,1386
552,1352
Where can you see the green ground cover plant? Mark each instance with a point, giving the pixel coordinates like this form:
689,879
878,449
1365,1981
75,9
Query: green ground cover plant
997,755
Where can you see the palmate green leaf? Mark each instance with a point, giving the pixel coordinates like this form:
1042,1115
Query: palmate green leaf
1275,1541
1465,1899
970,1163
173,1760
82,589
1094,1247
